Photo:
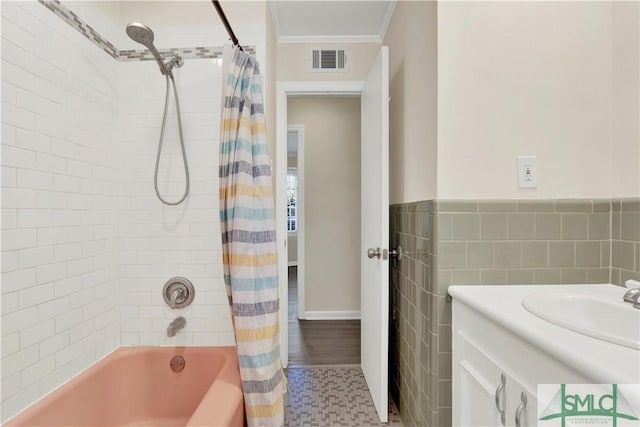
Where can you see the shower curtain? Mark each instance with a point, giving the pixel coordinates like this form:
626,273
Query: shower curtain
248,233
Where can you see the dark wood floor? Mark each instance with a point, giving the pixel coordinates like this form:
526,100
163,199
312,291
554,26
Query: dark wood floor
320,342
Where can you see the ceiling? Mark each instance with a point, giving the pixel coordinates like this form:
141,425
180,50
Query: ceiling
331,21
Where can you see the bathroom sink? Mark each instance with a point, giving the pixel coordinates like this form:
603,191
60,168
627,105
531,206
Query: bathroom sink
599,317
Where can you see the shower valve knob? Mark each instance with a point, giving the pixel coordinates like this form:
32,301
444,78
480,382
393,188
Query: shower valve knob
178,292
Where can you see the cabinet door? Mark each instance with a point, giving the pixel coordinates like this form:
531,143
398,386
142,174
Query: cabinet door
476,379
477,397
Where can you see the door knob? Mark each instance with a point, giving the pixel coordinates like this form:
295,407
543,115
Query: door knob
373,253
396,253
384,254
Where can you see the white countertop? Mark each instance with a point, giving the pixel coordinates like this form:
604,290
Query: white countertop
604,362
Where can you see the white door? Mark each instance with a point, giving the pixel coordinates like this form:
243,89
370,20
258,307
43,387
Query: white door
374,286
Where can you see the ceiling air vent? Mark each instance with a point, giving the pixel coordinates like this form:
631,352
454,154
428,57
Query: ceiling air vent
328,60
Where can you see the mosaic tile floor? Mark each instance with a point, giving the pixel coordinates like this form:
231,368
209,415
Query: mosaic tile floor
331,396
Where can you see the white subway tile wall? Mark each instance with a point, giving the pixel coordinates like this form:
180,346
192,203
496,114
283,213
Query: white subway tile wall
59,204
86,245
157,241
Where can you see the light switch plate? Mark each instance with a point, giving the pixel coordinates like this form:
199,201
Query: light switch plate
527,172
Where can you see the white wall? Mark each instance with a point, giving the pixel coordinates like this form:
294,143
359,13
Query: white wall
411,38
293,61
625,167
536,78
181,23
332,200
59,203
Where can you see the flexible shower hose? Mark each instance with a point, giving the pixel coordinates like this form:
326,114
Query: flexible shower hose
184,154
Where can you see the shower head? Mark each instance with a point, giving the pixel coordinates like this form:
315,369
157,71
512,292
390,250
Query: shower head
142,34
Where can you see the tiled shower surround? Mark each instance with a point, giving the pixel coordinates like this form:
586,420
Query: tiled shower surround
86,245
465,242
59,204
158,242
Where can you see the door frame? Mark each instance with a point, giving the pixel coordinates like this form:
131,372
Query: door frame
299,130
284,89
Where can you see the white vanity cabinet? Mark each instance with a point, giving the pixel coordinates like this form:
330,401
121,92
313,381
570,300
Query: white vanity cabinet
486,391
495,365
502,352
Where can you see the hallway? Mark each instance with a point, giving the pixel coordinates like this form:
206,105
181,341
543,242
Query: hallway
326,384
320,342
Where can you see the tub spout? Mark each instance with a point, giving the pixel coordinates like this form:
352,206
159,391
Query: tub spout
177,324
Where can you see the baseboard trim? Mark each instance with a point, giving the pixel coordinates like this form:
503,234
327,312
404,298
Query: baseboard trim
332,315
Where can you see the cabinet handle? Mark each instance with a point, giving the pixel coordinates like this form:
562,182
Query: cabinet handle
521,407
499,390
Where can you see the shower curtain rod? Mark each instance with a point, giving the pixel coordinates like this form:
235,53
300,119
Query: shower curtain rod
225,21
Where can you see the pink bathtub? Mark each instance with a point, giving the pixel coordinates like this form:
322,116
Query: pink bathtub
135,386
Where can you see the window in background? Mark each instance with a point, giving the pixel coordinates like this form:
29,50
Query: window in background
292,198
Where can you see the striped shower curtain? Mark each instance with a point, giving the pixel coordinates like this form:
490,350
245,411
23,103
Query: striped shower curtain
248,233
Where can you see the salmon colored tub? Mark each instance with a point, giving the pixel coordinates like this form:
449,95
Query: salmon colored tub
136,386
